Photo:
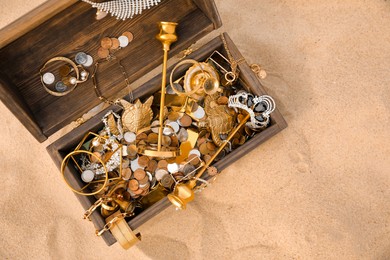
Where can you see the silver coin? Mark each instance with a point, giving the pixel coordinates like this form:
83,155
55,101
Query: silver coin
89,61
87,176
188,168
61,87
175,126
182,135
123,41
134,165
81,58
154,126
160,173
199,113
173,167
129,137
48,78
194,151
150,176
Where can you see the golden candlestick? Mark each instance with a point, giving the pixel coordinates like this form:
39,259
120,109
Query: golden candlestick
183,192
166,36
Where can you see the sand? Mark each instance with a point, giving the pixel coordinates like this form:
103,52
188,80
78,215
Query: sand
318,190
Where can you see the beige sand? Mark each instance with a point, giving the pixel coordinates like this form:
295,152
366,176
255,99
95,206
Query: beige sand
319,190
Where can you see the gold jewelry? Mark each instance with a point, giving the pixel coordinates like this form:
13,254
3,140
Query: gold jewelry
64,164
198,78
81,76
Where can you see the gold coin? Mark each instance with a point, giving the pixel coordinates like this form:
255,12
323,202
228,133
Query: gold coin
173,116
201,140
125,163
235,141
142,136
222,100
152,166
145,192
212,171
166,140
129,36
145,186
133,185
139,191
139,174
126,173
242,140
95,157
103,53
185,120
144,180
106,43
193,159
153,138
141,143
115,44
211,146
207,158
174,141
64,70
143,161
132,150
203,149
163,164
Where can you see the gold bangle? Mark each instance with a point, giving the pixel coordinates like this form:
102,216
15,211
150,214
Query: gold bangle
76,70
64,164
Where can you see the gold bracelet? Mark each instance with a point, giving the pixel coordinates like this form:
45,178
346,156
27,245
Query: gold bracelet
64,164
80,76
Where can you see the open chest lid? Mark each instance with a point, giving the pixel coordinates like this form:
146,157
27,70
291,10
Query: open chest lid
65,27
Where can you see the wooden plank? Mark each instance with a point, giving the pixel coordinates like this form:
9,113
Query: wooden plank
32,19
75,29
15,103
210,9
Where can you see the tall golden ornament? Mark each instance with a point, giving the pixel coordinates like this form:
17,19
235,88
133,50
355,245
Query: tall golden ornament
166,36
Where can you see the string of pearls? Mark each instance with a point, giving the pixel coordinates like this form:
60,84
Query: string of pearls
123,9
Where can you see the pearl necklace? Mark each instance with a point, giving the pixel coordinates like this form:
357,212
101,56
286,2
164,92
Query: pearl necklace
123,9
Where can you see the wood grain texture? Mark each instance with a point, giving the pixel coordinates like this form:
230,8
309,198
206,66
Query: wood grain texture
210,9
32,19
75,29
15,103
249,81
